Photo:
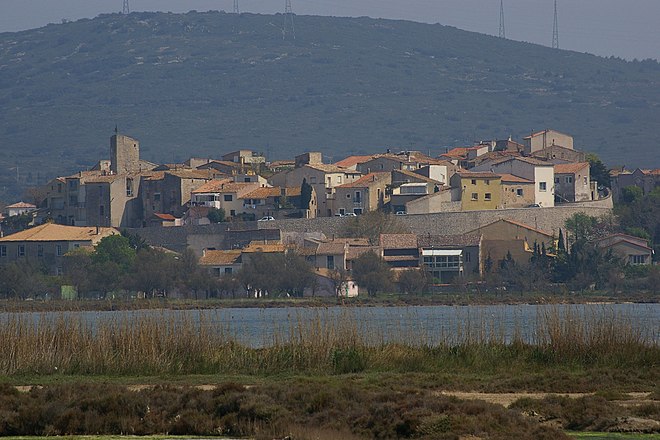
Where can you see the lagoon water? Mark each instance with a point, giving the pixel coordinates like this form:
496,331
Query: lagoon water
411,325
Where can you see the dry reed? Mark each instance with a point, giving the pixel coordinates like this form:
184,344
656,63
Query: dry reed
181,343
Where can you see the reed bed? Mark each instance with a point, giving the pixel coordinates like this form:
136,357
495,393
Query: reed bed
326,342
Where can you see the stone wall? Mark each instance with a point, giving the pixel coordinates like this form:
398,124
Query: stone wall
446,223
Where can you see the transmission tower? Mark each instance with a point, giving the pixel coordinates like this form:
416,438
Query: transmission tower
555,30
502,29
236,10
288,27
126,9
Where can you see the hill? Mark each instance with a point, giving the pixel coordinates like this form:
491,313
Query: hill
205,83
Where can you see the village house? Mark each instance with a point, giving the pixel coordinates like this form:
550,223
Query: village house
632,250
516,192
559,154
352,162
546,138
223,194
19,208
538,171
363,195
400,251
447,258
219,263
506,236
278,203
47,244
646,180
405,160
573,183
477,191
465,157
322,177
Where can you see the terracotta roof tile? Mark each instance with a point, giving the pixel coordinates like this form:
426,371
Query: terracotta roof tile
398,241
54,232
217,258
570,168
213,186
352,161
20,205
510,178
254,247
364,181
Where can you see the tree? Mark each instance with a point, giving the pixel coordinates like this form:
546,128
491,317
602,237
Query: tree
116,249
371,225
598,170
414,281
581,227
631,194
154,271
216,215
78,270
339,278
371,273
305,194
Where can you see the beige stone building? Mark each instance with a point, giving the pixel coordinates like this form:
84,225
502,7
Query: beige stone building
546,138
47,244
363,195
517,192
573,183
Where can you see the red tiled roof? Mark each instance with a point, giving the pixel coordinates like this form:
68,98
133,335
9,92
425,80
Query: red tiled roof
20,205
570,168
168,217
365,180
213,186
478,175
510,178
353,160
219,258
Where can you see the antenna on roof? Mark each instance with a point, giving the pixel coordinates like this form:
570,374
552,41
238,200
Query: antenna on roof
555,30
288,20
116,129
236,10
126,9
502,29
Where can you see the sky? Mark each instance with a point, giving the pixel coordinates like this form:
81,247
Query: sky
622,28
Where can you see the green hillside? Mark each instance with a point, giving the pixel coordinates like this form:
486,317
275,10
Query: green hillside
203,83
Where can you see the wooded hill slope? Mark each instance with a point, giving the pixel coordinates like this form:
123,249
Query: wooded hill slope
205,83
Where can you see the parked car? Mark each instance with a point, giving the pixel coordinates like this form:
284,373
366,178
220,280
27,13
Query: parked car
266,219
533,205
401,213
350,214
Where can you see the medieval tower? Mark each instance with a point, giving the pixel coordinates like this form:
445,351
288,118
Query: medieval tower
125,154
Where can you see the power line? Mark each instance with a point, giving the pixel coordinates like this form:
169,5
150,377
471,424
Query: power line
288,27
126,9
555,30
502,29
236,10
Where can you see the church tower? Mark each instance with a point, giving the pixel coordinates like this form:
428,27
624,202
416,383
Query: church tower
125,154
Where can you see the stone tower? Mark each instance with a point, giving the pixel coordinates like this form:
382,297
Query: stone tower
125,154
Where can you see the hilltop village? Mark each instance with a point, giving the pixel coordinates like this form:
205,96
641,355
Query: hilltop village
450,217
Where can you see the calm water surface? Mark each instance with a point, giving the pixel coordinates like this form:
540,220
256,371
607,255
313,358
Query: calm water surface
423,325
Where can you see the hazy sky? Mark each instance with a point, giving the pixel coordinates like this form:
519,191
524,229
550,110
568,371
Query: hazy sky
623,28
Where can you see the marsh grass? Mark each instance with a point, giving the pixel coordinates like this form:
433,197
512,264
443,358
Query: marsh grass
174,343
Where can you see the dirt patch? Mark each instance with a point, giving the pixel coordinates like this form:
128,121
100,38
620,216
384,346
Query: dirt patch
506,399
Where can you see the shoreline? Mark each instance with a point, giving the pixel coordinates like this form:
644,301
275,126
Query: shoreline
449,300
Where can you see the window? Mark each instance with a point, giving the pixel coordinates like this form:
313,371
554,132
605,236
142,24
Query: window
474,181
519,192
543,186
40,250
76,245
228,270
232,212
3,251
129,187
338,179
157,197
59,272
348,196
637,259
357,211
468,257
331,262
556,179
585,181
358,196
73,184
58,250
228,198
569,179
21,250
487,196
475,197
342,211
487,182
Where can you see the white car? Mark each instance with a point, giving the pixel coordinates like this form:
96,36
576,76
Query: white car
350,214
268,218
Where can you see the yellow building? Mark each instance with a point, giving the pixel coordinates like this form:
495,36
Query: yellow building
477,191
